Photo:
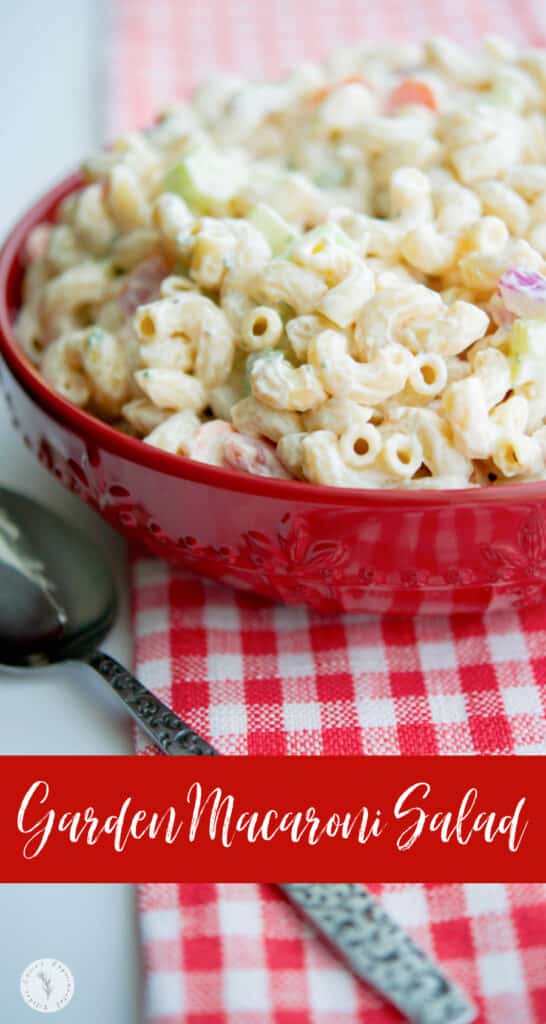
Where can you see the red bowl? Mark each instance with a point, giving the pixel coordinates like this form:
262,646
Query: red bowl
388,551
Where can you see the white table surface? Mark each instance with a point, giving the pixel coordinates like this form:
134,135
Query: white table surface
50,59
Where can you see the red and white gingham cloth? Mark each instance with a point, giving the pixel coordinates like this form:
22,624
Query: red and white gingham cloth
256,678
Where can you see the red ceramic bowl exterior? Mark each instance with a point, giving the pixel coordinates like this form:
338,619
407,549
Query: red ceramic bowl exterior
393,552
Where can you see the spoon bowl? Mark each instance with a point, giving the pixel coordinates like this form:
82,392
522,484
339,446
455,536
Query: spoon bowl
57,595
66,603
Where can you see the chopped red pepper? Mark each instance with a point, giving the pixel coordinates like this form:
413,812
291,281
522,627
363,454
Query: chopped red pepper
412,92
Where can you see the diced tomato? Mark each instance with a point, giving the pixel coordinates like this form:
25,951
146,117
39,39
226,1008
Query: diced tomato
321,94
252,455
142,284
412,92
207,444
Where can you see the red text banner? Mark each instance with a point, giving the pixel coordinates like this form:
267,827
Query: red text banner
235,819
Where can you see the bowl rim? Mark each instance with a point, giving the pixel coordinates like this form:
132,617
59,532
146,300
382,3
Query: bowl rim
92,429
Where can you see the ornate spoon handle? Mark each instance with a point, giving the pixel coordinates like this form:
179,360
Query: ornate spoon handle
376,948
379,951
166,729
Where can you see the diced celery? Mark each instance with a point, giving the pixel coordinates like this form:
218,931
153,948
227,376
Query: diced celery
275,229
527,350
206,180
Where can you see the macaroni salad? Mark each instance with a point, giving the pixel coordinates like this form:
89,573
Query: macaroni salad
338,277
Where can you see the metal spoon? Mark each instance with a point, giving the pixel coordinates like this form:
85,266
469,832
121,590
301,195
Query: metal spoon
57,602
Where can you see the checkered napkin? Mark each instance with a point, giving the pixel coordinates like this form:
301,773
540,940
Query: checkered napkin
257,678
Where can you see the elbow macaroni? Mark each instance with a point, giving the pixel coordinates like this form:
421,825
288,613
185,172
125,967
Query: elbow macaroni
301,278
